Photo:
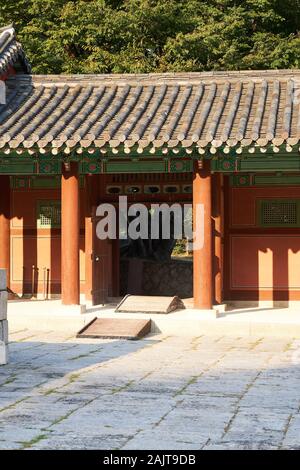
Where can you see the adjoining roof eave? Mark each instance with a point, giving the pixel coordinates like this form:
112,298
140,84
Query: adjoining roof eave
11,51
5,28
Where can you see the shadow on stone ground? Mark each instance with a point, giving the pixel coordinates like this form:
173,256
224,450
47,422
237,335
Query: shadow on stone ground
157,393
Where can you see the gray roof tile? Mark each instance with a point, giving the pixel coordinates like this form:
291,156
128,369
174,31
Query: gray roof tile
202,109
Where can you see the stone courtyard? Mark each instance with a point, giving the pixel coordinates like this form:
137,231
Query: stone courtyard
163,392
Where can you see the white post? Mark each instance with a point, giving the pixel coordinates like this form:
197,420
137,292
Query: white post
3,319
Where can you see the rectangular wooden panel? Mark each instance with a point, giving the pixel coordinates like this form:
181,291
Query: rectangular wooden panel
243,202
265,262
25,205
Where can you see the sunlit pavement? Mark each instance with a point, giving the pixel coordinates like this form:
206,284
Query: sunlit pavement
163,392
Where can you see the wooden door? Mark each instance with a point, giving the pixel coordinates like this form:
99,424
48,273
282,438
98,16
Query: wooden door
102,285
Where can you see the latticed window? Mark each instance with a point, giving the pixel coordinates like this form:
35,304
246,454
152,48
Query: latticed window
49,214
279,213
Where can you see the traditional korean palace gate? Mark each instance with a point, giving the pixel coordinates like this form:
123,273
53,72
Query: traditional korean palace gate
228,141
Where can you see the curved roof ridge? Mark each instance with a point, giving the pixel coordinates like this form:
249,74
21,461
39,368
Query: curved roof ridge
168,77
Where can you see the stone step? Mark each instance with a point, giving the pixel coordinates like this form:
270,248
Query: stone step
149,304
116,328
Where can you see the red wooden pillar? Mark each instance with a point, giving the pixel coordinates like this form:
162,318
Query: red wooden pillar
91,195
70,229
202,255
217,214
5,225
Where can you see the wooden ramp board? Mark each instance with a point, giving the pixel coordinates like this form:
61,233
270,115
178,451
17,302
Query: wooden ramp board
149,304
116,328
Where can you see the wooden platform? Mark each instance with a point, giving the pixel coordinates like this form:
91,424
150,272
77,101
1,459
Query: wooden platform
116,328
149,304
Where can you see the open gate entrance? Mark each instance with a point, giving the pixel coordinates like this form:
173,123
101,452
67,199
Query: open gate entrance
147,267
106,275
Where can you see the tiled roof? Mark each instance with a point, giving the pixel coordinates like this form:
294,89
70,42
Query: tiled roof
11,51
214,110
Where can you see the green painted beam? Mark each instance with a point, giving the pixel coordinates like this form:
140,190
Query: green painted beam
273,180
246,180
270,164
40,182
21,167
256,164
142,166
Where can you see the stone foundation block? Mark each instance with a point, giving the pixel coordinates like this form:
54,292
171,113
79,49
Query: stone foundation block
3,305
4,331
3,353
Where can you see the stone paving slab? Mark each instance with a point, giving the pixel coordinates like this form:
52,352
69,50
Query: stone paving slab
163,392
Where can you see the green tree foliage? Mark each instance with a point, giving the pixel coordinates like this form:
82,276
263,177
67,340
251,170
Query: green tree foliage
96,36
